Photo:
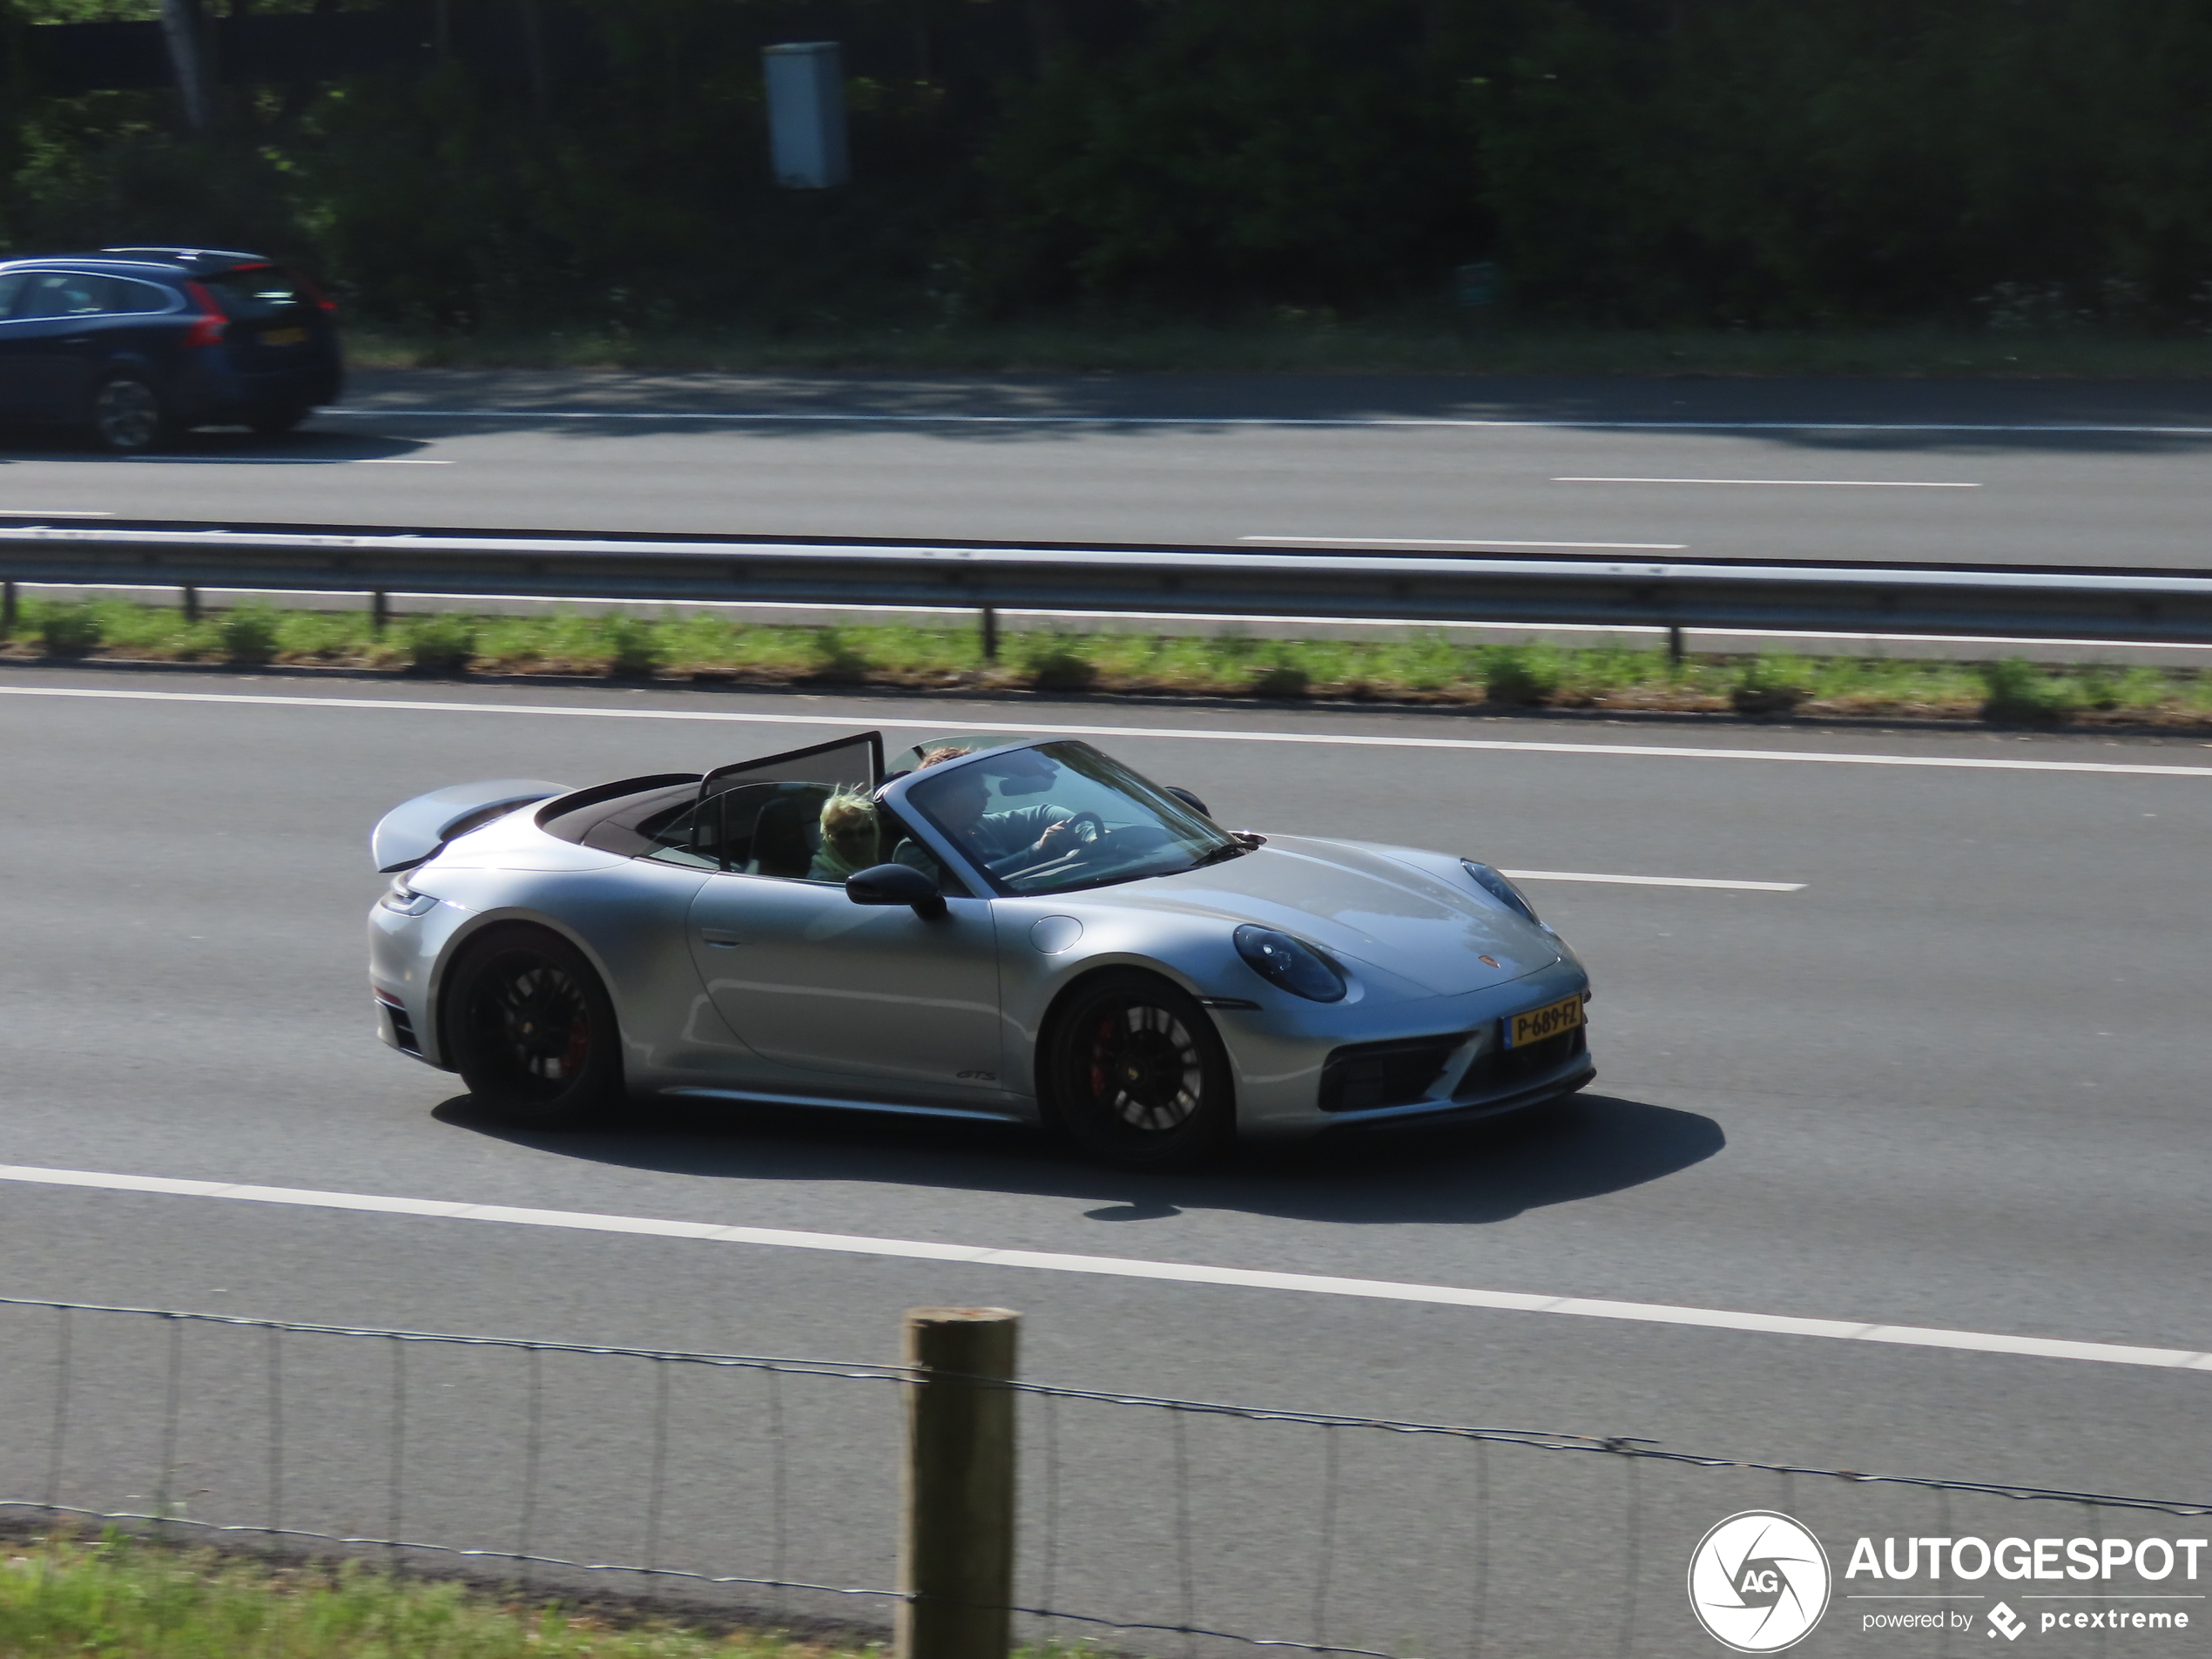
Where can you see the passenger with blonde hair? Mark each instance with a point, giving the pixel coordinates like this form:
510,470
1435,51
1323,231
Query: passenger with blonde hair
849,838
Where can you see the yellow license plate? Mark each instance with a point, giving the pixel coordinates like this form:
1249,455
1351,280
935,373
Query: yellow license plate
285,337
1540,1023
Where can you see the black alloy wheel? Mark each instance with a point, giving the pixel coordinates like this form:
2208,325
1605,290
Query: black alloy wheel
1135,1073
532,1030
128,416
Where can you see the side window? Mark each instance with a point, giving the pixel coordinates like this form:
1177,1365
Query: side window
806,816
126,293
901,846
63,294
12,284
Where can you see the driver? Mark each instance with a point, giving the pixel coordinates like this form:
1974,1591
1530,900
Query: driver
1018,835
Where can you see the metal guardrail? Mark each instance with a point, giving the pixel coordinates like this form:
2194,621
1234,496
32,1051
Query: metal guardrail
2128,605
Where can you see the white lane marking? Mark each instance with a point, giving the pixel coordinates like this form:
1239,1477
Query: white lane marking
852,417
1349,740
1655,881
1126,1267
1439,540
281,461
53,512
1781,483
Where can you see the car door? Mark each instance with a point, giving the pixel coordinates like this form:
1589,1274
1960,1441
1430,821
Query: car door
53,333
842,999
15,347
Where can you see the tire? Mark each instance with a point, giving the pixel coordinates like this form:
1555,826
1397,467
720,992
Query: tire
129,417
1135,1074
532,1031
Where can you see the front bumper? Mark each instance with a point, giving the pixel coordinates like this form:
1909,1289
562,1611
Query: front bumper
1326,1068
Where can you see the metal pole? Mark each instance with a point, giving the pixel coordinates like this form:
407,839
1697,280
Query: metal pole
1674,642
380,611
191,604
956,1519
990,633
185,31
7,608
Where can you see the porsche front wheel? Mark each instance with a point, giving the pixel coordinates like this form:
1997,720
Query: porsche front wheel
532,1030
1135,1074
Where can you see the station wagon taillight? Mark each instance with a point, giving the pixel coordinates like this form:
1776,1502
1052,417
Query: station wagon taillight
208,328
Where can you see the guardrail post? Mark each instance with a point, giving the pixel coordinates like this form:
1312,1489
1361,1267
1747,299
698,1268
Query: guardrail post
7,608
990,633
956,1513
380,611
192,603
1674,642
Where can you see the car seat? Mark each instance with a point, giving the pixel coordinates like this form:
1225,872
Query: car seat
780,843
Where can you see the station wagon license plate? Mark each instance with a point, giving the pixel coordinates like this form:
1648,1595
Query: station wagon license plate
1539,1023
284,337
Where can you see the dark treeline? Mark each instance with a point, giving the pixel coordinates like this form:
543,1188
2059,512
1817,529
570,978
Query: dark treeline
1755,162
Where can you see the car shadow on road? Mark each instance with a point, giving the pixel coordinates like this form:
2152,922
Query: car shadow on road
1589,1146
310,447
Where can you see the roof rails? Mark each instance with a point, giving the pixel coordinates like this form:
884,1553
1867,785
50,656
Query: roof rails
191,255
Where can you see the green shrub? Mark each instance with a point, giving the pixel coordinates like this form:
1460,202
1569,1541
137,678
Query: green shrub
2022,694
1520,675
634,646
68,630
839,656
1281,679
441,644
1063,667
248,633
1769,685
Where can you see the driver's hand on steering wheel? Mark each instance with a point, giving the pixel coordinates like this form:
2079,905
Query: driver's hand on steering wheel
1059,838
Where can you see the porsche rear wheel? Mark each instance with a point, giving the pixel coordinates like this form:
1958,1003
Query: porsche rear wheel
1135,1074
532,1030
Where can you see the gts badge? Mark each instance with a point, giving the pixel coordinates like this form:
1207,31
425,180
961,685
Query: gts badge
979,1076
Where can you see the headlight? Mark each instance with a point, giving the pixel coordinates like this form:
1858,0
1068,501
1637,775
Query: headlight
405,899
1501,889
1291,963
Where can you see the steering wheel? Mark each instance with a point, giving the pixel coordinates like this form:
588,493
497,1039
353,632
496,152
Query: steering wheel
1097,827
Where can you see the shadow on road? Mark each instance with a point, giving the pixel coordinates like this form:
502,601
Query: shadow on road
1839,416
309,448
1591,1145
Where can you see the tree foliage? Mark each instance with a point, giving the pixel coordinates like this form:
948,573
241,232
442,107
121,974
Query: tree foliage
2024,163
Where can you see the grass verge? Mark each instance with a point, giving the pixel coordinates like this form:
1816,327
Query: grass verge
63,1596
1313,342
1431,668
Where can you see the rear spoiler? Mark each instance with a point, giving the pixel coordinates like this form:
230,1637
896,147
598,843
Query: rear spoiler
412,834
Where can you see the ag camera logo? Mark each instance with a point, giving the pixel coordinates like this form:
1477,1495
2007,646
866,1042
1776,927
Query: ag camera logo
1759,1582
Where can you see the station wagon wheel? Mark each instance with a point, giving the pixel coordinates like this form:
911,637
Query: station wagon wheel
531,1029
128,416
1134,1072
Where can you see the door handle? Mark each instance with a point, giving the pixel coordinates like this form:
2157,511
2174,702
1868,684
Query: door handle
720,938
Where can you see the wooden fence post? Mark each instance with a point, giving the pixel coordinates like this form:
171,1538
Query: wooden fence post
956,1512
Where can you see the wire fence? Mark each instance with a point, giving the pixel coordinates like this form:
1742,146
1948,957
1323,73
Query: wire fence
769,1487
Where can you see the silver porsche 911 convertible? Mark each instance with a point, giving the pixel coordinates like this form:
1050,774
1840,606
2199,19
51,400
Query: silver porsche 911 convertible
994,928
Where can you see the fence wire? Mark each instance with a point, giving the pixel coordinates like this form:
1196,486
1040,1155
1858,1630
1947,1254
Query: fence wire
1290,1533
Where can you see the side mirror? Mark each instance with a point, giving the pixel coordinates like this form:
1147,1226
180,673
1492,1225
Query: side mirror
890,884
1188,799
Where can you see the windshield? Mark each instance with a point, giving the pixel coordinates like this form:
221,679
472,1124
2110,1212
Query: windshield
1062,816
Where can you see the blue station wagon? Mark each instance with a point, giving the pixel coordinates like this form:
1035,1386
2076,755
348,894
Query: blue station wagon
135,345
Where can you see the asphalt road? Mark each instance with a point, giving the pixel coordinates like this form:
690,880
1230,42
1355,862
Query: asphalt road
1957,1081
2028,473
